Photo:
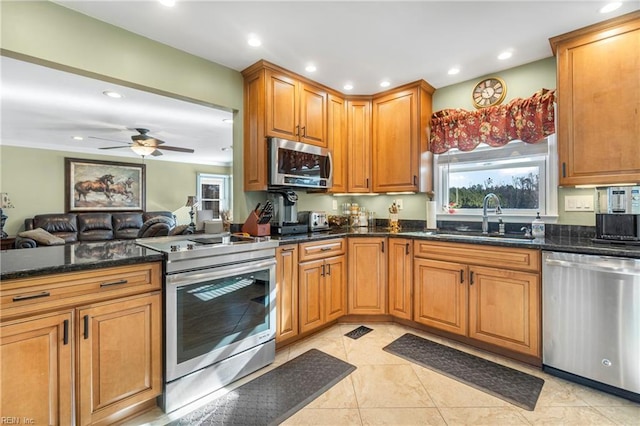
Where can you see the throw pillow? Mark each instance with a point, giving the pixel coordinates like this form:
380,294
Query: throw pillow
42,237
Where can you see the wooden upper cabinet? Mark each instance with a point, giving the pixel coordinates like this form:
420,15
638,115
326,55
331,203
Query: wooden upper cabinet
337,141
400,121
598,108
359,145
295,110
255,151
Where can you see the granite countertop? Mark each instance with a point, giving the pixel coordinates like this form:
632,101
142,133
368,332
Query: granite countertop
22,263
564,243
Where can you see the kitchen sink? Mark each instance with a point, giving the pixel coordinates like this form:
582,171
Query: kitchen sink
477,236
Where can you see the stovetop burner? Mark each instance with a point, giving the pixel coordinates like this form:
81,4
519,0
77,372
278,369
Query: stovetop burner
223,239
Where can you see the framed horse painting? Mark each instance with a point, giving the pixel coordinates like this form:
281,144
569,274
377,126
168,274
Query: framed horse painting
93,185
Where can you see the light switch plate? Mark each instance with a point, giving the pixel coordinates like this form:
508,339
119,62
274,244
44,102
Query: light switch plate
578,203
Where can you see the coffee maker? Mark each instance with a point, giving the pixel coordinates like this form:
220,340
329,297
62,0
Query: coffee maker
285,213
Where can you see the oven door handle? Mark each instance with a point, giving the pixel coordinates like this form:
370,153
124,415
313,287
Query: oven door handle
185,278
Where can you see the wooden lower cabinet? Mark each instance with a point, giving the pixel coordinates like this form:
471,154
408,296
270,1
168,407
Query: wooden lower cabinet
495,304
37,369
119,356
400,277
81,347
367,292
286,292
441,294
322,286
504,308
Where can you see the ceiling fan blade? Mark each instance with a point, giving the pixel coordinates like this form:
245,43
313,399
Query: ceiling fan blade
156,153
115,147
110,140
177,148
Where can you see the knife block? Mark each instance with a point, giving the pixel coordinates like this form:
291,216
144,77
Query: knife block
252,227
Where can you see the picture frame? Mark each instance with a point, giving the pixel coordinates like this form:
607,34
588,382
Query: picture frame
104,186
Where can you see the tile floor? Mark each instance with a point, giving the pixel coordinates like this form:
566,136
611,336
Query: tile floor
388,390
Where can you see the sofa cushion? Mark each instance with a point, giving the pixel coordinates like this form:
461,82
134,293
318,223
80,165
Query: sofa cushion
126,225
42,237
158,226
61,225
95,227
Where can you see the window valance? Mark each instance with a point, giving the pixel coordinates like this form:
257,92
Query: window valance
529,120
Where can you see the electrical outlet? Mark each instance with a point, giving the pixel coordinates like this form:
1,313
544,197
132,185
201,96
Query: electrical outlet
399,203
335,204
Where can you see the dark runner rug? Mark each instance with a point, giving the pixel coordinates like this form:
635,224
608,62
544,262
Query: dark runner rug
506,383
275,396
358,332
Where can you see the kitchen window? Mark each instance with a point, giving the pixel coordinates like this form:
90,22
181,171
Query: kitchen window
522,175
213,192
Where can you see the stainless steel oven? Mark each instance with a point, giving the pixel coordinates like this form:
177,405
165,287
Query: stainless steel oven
219,312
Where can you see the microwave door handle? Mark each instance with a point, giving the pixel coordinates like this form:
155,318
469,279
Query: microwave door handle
328,162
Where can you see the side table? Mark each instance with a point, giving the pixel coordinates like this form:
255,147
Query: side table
7,243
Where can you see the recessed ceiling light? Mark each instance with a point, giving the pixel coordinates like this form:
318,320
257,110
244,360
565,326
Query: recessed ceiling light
254,40
310,68
348,86
610,7
227,120
168,3
505,55
112,94
77,138
385,84
453,71
226,148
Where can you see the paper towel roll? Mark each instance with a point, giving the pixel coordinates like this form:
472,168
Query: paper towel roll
432,222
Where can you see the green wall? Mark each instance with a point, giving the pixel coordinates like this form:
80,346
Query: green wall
45,33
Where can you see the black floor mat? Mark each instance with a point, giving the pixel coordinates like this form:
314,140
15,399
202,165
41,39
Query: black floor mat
275,396
358,332
506,383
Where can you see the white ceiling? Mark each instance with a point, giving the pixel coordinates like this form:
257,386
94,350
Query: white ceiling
362,42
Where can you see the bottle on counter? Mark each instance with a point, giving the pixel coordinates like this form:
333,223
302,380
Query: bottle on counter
537,227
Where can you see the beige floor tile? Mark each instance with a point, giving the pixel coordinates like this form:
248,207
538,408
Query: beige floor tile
401,416
482,416
596,398
378,386
447,392
627,416
367,350
325,417
559,393
566,416
326,343
341,395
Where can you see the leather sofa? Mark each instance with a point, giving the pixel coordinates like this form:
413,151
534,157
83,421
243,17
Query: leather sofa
85,227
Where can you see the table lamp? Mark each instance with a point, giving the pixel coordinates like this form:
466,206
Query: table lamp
5,203
192,202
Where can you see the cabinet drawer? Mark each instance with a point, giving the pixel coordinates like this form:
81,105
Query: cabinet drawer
321,249
39,294
485,255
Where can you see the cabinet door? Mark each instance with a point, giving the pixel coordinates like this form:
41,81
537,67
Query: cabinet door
367,285
598,118
335,287
119,357
313,115
400,278
311,280
504,308
282,106
395,142
254,156
37,369
337,141
359,140
440,295
286,292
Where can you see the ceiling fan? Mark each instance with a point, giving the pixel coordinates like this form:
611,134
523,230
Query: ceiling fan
143,144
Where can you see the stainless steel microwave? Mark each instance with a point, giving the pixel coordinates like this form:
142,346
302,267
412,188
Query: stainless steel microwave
297,164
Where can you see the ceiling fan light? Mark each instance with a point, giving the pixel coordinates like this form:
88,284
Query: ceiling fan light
143,150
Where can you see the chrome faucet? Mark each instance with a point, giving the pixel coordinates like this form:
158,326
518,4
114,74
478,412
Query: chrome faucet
485,217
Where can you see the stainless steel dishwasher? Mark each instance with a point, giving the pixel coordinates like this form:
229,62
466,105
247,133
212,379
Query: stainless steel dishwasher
591,320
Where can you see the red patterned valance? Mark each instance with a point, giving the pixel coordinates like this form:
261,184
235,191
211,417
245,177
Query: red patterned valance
529,120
